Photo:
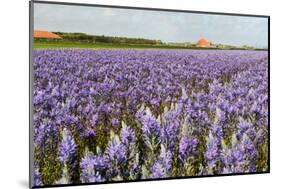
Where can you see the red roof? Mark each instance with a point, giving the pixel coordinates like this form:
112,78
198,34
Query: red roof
46,35
203,42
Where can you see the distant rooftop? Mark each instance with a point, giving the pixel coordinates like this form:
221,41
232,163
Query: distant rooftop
203,43
45,35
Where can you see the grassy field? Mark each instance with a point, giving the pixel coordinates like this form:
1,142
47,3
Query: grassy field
67,44
80,45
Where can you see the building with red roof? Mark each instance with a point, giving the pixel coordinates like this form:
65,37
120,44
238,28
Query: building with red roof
203,43
45,35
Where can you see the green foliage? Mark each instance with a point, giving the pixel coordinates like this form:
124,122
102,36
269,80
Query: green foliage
51,44
46,157
84,38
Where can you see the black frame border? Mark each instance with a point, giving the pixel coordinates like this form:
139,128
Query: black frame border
31,150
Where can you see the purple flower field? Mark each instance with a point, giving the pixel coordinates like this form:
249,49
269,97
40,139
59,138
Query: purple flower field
111,115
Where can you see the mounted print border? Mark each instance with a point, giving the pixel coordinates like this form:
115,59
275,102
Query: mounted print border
121,127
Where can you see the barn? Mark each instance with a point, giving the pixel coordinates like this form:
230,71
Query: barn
203,43
45,35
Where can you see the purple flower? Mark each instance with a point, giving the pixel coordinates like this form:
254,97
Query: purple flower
91,166
71,103
40,133
154,101
212,154
243,155
128,139
220,115
214,95
37,181
116,150
106,108
217,130
242,127
238,155
38,98
67,147
187,148
249,147
115,122
171,129
158,171
127,135
193,110
151,129
166,159
94,120
88,133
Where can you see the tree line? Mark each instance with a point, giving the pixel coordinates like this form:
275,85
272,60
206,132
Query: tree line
84,38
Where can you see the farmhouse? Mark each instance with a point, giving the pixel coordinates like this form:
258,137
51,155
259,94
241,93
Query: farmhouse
45,35
203,43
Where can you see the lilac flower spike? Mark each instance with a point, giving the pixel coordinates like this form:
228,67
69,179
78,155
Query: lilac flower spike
124,114
67,147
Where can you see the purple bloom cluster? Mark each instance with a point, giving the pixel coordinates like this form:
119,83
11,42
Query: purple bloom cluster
149,113
67,147
37,181
187,148
91,167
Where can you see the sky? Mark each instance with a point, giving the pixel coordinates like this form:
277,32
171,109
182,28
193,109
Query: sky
158,25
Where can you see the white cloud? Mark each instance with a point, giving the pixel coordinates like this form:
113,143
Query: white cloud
166,26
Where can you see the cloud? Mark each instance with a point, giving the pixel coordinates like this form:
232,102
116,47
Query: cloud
166,26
